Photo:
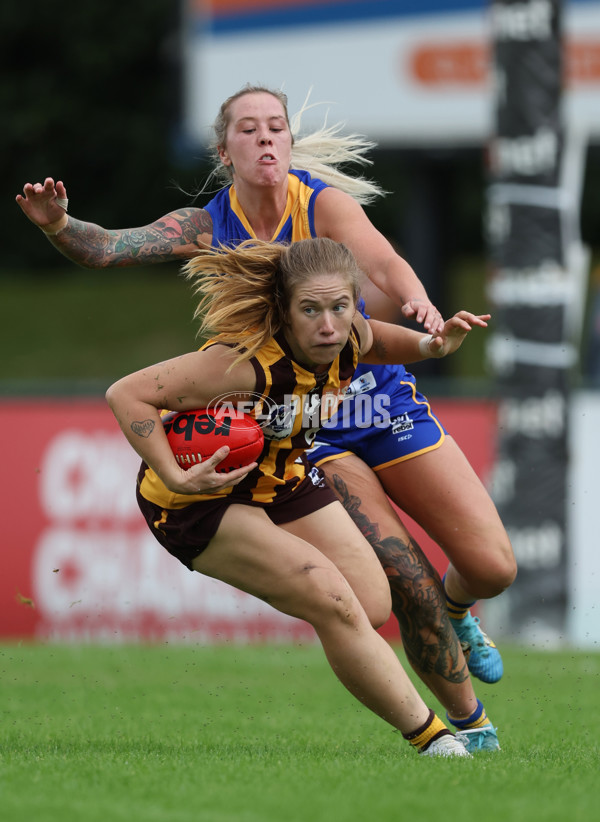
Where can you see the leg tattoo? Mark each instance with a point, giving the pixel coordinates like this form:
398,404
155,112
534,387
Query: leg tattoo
418,600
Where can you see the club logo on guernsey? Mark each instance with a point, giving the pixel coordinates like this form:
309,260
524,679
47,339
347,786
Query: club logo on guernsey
315,412
281,422
365,382
317,477
278,420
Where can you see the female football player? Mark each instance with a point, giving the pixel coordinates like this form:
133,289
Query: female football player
283,189
283,325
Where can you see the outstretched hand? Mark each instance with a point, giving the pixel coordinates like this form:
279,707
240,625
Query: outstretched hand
39,202
425,313
454,332
203,478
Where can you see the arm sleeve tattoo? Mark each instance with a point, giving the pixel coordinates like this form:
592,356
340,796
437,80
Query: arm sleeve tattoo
173,237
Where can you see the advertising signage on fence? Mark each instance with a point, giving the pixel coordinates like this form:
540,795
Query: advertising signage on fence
79,562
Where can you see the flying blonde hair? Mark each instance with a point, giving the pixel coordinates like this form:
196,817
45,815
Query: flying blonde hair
245,292
321,152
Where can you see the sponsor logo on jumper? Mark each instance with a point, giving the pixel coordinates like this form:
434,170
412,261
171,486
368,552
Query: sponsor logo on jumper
366,382
281,422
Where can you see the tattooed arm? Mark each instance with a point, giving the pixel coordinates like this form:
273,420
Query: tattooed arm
176,236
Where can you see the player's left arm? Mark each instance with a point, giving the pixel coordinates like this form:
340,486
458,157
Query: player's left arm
382,343
342,219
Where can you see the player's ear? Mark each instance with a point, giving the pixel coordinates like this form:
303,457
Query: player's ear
224,156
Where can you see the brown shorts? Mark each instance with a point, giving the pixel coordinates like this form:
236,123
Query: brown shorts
186,532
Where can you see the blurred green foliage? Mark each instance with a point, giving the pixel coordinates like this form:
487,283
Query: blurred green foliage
90,95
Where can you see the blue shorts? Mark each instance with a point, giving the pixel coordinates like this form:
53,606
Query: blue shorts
385,420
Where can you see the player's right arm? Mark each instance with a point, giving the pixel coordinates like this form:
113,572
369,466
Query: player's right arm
184,383
175,236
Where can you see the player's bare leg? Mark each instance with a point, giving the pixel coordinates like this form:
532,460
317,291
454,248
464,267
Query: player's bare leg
468,529
292,575
418,601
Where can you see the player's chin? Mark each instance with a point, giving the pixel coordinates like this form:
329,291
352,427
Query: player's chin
326,353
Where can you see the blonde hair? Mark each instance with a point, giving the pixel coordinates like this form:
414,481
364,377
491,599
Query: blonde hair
321,153
245,292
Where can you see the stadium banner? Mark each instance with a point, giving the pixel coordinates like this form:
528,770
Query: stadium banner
537,286
79,562
403,72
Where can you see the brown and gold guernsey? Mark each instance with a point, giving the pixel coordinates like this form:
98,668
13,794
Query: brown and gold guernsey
294,403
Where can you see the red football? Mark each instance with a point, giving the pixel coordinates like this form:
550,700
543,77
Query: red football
196,435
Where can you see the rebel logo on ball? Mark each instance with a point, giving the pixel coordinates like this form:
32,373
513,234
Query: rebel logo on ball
203,423
194,436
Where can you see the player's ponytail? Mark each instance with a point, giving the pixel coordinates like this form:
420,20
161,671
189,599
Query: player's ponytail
324,151
238,294
245,292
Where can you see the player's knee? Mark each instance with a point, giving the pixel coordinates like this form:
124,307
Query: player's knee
373,592
507,571
490,578
328,597
419,602
379,610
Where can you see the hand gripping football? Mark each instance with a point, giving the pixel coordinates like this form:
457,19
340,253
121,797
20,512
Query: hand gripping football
196,435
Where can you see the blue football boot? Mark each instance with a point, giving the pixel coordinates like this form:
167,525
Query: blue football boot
483,658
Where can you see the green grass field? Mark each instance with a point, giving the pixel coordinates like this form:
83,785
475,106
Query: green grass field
267,734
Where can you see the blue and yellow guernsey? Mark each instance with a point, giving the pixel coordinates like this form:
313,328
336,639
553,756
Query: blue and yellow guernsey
294,403
230,226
